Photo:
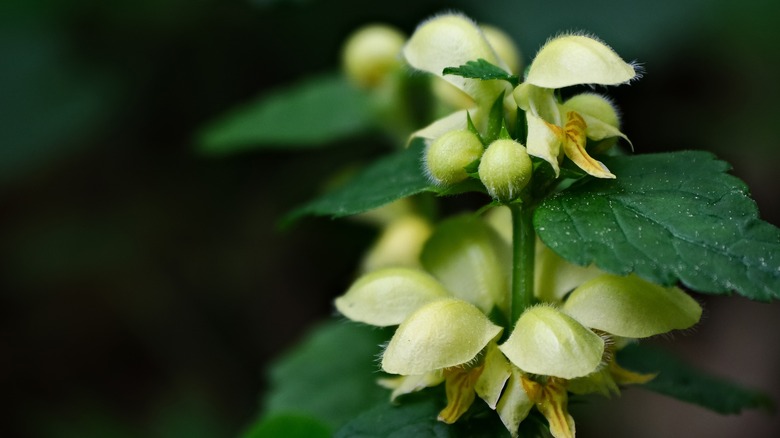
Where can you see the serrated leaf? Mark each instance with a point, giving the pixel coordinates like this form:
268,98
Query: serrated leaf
667,217
393,177
681,381
482,69
307,114
331,376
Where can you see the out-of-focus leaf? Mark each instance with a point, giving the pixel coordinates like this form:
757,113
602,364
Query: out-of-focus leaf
667,217
679,380
289,426
331,376
307,114
50,104
393,177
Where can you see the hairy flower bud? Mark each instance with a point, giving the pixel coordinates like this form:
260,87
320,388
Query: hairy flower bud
505,169
372,52
448,155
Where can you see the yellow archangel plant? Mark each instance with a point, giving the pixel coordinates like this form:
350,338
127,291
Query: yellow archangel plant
451,317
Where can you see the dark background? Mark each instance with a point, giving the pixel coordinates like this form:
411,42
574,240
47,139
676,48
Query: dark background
144,286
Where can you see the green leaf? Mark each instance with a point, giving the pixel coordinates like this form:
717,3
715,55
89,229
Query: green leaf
679,380
416,415
289,426
331,376
311,113
667,217
393,177
481,69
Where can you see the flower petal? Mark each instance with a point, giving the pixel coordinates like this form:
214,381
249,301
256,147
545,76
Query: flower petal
459,385
543,141
495,372
452,122
471,260
540,102
552,401
442,334
387,296
576,59
631,307
402,385
548,342
452,40
574,147
514,405
554,277
399,245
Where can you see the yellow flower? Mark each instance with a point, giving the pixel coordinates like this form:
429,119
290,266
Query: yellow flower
565,61
443,332
451,40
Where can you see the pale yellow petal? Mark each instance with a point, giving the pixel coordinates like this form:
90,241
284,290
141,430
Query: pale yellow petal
452,40
544,141
442,334
548,342
387,296
631,307
576,59
554,277
471,260
540,102
402,385
452,122
504,47
514,405
495,372
399,244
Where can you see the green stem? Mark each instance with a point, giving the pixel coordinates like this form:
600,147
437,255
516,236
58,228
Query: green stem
523,252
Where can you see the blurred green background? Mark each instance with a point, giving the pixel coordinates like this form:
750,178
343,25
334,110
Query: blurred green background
145,287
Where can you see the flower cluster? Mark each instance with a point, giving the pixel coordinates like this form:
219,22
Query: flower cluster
448,328
555,129
449,292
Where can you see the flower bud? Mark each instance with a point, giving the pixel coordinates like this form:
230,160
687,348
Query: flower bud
594,105
505,169
372,52
448,155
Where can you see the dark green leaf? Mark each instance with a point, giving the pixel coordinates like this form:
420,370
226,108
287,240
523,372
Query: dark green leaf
416,415
481,69
331,376
310,113
394,177
678,380
289,426
667,217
